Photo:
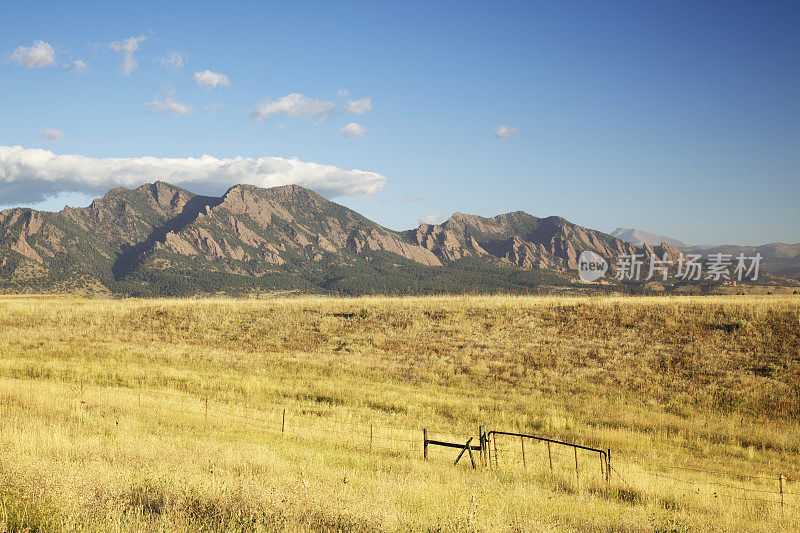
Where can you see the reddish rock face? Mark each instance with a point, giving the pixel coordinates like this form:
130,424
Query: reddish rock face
289,230
262,226
516,238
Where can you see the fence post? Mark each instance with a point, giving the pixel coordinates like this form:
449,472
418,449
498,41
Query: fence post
488,450
480,443
524,464
486,455
425,443
608,466
577,474
602,472
469,450
283,422
370,438
206,403
550,457
494,439
780,484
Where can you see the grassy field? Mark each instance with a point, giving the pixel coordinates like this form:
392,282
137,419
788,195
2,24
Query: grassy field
168,414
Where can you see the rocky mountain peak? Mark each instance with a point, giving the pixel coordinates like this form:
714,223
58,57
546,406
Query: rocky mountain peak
289,236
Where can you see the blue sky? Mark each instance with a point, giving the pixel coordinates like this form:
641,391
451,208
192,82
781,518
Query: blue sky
671,117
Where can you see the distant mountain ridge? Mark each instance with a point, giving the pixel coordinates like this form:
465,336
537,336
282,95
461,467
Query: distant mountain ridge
639,237
159,239
777,258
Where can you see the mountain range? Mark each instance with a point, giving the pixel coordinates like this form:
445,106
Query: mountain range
779,259
639,237
159,239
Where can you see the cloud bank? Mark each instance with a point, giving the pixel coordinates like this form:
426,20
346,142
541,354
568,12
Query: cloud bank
41,54
30,175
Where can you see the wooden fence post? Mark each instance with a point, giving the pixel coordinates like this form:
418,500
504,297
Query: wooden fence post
206,403
577,474
524,464
608,466
494,439
425,443
283,422
602,470
482,445
471,458
467,448
550,456
780,484
488,450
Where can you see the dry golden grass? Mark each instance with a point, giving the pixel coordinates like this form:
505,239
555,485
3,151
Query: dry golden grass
105,427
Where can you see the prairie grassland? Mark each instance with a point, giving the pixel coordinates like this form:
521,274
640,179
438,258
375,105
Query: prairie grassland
167,414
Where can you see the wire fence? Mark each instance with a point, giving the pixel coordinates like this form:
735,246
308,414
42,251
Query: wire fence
511,453
285,421
367,436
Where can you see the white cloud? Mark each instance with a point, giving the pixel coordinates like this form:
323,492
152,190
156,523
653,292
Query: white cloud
504,132
359,107
294,105
30,175
207,78
175,60
51,134
75,67
127,49
342,93
353,130
432,219
41,54
168,105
